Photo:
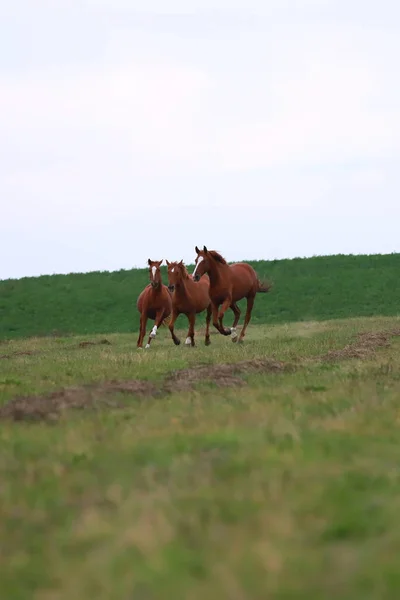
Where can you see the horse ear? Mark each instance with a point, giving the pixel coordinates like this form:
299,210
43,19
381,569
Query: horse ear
181,263
197,250
205,249
168,263
149,262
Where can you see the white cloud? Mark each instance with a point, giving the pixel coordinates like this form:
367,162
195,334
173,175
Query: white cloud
145,99
366,179
282,115
317,102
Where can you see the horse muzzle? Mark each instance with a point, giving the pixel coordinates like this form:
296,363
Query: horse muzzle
171,288
196,277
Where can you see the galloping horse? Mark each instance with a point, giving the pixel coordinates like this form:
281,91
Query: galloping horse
153,303
188,298
228,285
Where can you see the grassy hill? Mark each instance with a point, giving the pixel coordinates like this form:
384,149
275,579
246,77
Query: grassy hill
161,474
102,302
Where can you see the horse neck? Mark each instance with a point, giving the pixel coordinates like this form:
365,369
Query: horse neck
180,287
215,272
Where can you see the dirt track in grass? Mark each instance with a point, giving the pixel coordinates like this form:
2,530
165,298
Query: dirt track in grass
51,406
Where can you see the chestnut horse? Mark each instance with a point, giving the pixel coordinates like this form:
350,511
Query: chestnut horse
189,298
153,303
228,285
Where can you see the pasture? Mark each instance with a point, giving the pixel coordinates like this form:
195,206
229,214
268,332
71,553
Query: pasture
305,289
267,470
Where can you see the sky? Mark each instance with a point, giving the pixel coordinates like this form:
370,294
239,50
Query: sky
131,130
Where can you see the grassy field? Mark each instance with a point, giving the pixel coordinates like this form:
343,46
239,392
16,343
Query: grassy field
319,288
268,470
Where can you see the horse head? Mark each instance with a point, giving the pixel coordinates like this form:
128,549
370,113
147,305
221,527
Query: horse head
176,272
155,273
202,263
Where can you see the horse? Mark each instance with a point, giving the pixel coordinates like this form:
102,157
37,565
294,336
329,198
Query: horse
188,298
154,303
228,285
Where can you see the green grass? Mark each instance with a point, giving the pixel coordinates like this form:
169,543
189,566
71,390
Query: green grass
288,487
318,288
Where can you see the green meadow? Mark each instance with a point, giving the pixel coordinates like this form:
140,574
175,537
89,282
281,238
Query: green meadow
320,288
263,470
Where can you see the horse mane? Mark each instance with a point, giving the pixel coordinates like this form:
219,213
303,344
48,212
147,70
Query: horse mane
184,271
217,256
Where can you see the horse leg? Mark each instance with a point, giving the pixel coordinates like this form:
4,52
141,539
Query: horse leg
142,331
174,317
158,320
214,308
220,316
190,336
208,319
236,311
250,304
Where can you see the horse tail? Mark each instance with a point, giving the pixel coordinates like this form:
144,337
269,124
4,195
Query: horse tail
263,286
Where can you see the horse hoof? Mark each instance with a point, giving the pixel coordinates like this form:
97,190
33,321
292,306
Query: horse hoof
140,347
207,342
234,339
147,346
177,342
152,335
188,341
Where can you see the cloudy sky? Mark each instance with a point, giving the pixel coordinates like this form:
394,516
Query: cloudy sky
264,129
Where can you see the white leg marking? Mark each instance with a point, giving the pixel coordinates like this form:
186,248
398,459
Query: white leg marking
233,332
153,332
201,258
188,341
147,346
